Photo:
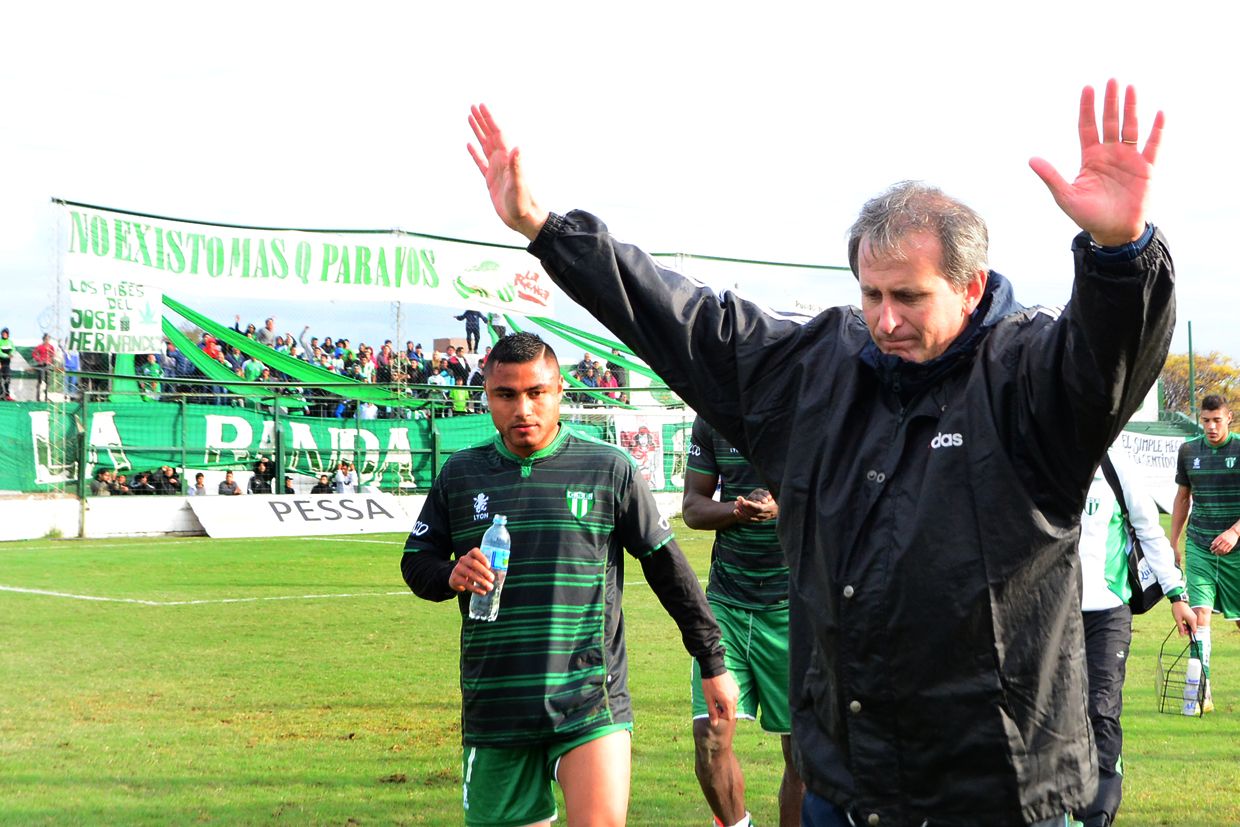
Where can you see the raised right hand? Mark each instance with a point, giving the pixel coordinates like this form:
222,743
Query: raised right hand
501,166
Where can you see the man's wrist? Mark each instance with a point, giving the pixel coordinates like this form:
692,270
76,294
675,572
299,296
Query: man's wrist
1178,596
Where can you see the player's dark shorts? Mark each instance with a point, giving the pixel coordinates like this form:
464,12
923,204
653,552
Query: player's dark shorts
512,787
757,657
1213,579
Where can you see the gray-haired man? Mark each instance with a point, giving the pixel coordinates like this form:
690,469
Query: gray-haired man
931,454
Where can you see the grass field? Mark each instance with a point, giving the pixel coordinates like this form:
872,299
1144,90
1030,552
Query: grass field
283,681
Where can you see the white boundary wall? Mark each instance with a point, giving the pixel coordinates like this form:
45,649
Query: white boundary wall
33,517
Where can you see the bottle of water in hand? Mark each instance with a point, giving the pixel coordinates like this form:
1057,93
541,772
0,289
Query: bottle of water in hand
496,544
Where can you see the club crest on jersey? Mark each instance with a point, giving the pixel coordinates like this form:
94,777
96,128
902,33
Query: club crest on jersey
580,502
1092,505
1196,462
480,506
1231,462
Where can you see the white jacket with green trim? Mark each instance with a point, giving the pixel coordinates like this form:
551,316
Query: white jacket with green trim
1104,541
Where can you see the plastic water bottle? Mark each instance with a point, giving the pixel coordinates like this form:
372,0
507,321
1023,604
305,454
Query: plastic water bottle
496,545
1192,687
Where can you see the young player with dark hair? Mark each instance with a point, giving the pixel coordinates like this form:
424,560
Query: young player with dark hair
544,687
1208,473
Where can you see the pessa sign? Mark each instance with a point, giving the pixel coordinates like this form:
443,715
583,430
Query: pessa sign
265,515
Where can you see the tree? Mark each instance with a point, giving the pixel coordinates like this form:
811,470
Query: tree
1215,373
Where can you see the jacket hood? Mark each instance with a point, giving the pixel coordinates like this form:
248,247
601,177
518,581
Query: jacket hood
908,379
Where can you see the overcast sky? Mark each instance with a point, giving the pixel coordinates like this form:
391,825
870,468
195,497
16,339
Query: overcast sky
752,131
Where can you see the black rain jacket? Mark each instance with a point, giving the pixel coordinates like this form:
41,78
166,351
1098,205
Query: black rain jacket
929,513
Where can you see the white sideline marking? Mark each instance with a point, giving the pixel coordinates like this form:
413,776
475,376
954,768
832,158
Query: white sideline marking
220,600
195,602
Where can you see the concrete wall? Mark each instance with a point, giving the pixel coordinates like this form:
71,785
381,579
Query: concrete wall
30,517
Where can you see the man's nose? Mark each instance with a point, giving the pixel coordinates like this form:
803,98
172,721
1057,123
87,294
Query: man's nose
888,319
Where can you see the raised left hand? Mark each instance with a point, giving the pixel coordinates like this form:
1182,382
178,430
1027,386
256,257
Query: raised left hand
1110,197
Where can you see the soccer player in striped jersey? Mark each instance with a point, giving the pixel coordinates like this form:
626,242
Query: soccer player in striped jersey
544,687
1208,475
748,592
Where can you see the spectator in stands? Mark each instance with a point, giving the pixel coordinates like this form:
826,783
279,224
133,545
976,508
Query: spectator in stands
288,486
368,410
482,363
142,484
308,345
620,372
151,371
266,335
589,379
471,319
6,366
459,365
585,364
211,347
197,489
252,369
101,485
497,325
120,486
236,360
608,380
72,362
260,482
293,351
167,482
384,362
460,398
323,486
44,358
420,358
346,479
249,329
228,487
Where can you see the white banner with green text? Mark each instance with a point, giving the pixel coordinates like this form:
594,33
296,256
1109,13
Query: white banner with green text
206,259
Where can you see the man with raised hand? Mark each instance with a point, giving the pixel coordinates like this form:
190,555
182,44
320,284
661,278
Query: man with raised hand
544,687
748,592
931,453
1208,501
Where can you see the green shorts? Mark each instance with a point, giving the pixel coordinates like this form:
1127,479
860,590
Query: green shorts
512,787
757,657
1213,580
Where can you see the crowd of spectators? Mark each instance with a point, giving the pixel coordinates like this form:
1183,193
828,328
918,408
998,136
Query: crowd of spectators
459,373
165,481
606,378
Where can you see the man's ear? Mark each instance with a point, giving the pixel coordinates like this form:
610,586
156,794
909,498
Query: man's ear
975,290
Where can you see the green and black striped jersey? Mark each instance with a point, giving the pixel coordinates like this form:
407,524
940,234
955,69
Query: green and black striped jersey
747,566
1213,474
553,663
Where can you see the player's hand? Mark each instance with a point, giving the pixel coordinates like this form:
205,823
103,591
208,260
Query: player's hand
1110,197
1185,618
721,695
472,573
501,166
1225,542
758,507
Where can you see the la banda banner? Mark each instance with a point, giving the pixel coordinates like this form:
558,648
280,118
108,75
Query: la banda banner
267,515
101,245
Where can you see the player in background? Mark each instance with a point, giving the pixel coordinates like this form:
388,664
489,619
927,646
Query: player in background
1103,550
1208,500
748,592
544,686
